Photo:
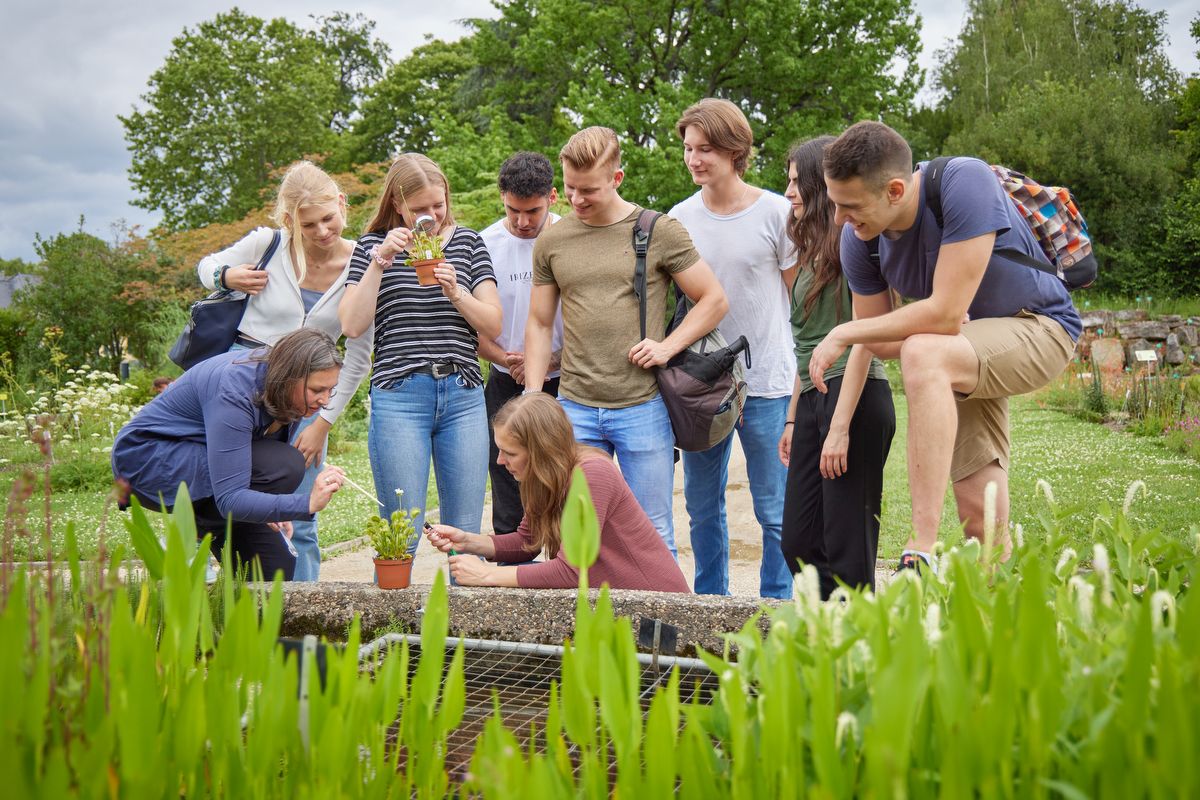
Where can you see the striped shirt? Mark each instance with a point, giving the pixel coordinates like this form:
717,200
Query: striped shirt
418,325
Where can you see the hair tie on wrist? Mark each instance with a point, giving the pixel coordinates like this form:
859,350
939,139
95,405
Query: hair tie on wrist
219,277
790,422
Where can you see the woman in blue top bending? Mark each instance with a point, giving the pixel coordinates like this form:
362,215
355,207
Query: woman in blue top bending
223,429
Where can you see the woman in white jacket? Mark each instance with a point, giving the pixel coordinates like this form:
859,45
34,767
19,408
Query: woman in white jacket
300,288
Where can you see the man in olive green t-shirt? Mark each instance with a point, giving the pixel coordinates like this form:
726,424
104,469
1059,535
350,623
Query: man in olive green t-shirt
607,384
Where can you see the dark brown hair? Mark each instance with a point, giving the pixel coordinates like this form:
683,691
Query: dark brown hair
871,151
724,126
290,361
815,235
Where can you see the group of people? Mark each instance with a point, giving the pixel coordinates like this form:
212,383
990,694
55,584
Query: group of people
813,278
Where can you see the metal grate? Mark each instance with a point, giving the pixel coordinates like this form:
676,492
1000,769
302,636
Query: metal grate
518,675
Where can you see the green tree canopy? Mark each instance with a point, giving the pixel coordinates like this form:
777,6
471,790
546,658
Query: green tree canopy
796,67
105,298
1038,85
236,96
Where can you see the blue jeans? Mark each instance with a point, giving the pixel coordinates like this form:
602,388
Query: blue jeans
423,416
304,532
643,442
705,476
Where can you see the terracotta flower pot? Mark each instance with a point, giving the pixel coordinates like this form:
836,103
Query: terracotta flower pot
424,270
393,573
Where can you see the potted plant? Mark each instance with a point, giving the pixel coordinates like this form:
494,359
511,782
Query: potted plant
425,249
391,540
424,254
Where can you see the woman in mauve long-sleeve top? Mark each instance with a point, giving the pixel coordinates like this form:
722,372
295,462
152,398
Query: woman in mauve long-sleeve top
537,445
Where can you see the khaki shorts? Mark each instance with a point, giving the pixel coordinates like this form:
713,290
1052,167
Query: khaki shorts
1016,355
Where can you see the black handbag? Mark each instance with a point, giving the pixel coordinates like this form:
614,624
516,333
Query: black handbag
212,325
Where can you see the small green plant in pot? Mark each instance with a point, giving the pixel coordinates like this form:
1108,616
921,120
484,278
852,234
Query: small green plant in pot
392,540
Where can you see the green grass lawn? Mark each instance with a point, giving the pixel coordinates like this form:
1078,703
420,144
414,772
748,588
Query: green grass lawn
1086,464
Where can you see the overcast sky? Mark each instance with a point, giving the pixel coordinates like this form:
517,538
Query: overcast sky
71,66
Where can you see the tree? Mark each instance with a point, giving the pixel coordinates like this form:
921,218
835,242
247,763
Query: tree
401,112
1038,84
360,58
236,97
796,67
104,297
1179,254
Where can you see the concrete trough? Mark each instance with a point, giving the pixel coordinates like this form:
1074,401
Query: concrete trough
544,616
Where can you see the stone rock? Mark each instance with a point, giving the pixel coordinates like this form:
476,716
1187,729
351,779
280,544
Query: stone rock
1175,354
1108,354
1188,335
1171,319
1154,331
1103,320
1131,348
546,616
1131,315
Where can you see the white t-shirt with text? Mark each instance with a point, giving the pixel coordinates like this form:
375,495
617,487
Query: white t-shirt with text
512,261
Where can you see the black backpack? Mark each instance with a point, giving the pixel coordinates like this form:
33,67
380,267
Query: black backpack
704,385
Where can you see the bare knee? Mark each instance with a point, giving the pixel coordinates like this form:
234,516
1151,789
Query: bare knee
923,361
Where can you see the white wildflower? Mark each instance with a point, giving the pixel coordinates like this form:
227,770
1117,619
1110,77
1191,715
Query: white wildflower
1044,486
1083,598
1131,494
1101,566
933,624
1162,609
847,725
1068,556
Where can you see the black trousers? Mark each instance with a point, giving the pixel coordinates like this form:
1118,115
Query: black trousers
275,468
506,494
834,524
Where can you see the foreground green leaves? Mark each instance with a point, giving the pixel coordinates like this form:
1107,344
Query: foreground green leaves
1034,678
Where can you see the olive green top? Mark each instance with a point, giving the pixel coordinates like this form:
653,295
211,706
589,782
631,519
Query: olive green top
808,331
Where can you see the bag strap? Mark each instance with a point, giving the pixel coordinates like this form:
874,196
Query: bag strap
932,178
642,228
271,248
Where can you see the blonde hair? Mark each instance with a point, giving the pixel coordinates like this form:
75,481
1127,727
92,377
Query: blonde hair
725,127
592,147
304,184
538,423
409,174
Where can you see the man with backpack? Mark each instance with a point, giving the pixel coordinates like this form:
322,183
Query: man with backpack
984,325
607,382
741,230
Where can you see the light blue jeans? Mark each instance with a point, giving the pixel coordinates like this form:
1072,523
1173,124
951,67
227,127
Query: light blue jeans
419,417
304,532
642,439
705,475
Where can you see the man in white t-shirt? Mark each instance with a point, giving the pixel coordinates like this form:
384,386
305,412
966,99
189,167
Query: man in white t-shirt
527,190
741,231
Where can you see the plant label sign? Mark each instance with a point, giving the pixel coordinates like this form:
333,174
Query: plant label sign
1145,355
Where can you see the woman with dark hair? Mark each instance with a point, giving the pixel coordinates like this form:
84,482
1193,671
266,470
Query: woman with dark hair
223,429
835,444
426,385
537,445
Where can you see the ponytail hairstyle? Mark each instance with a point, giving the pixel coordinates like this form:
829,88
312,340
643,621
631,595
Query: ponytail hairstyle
815,235
409,174
538,423
304,184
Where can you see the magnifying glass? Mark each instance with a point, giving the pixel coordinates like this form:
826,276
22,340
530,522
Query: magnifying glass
425,223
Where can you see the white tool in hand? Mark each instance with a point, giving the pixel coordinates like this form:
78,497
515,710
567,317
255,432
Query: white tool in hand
359,488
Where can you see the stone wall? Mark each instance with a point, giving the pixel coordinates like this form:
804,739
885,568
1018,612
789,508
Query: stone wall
1113,337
